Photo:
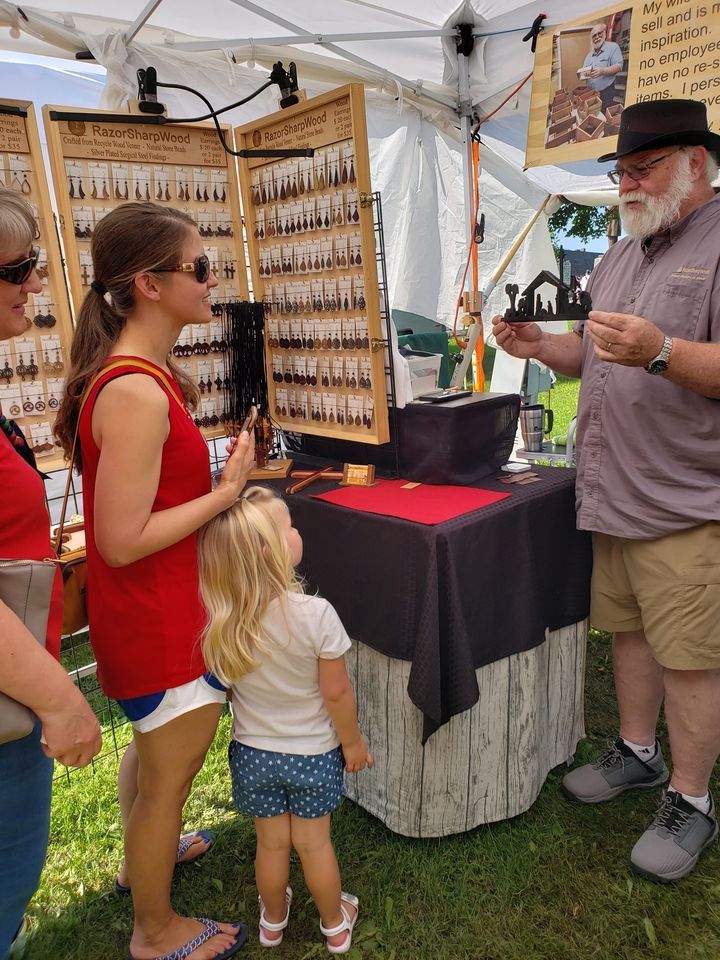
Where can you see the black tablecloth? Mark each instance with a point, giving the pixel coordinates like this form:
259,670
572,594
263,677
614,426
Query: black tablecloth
455,596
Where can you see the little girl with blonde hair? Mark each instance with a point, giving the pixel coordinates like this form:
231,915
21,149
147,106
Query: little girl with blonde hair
295,722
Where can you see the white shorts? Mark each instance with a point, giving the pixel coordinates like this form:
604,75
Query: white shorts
156,709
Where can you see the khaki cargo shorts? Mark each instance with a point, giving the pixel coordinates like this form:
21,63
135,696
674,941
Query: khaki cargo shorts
669,587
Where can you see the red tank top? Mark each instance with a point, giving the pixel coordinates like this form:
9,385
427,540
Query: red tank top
25,527
146,617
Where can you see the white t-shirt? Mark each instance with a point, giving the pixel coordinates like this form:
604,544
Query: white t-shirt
278,706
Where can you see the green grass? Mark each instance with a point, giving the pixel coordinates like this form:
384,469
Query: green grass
553,884
562,400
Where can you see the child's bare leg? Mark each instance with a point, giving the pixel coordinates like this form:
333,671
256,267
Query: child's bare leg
272,867
311,839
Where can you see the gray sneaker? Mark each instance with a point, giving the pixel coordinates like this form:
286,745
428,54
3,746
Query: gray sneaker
617,770
672,844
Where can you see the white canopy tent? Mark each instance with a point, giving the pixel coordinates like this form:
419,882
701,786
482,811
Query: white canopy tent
421,100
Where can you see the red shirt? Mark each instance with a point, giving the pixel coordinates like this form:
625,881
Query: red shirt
25,527
146,617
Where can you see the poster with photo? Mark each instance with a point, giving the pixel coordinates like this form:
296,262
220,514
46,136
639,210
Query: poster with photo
587,71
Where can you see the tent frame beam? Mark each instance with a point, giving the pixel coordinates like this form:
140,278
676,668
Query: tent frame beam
141,19
346,55
314,38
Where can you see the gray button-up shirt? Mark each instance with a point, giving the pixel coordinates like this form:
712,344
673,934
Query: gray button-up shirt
649,450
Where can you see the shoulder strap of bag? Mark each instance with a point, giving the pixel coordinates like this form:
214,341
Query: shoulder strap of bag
129,365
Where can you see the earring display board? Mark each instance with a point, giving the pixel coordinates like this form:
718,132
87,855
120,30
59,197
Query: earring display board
32,367
100,163
312,254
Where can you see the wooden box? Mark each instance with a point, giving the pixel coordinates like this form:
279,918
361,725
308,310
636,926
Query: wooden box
589,107
590,129
562,126
561,112
567,137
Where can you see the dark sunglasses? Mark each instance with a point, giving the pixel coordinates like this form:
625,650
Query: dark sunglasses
200,266
19,272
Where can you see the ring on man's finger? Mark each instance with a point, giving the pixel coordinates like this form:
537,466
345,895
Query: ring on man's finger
609,345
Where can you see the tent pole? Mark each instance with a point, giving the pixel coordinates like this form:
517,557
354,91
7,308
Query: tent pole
141,20
360,61
465,112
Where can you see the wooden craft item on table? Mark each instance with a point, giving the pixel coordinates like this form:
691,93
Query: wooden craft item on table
358,475
521,478
273,470
299,485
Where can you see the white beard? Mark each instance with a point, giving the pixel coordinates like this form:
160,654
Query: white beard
649,215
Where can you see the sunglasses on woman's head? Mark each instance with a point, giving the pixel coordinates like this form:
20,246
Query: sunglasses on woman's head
19,272
200,266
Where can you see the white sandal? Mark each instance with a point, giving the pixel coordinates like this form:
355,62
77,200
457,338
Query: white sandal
266,924
347,924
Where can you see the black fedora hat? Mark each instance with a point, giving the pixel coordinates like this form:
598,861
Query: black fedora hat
663,123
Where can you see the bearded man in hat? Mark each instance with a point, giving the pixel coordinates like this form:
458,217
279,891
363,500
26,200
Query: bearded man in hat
648,472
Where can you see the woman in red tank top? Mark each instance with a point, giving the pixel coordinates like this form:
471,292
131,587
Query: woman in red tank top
146,491
30,672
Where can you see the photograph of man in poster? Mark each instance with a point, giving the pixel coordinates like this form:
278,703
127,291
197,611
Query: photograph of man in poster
602,64
588,80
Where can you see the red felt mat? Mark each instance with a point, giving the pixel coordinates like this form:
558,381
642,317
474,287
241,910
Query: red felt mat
426,503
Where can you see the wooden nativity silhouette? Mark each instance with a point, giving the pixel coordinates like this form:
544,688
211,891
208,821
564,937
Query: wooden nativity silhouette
571,302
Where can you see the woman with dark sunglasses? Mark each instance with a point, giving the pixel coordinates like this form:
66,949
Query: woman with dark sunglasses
30,673
147,490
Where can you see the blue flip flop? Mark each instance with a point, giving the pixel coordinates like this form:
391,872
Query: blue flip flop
211,930
184,845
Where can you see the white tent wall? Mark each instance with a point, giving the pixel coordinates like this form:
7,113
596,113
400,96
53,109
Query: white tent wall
416,164
413,128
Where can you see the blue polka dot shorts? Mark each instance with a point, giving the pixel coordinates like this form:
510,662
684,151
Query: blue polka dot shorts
267,784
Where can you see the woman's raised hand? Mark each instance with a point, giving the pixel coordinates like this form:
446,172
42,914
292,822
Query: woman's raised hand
240,461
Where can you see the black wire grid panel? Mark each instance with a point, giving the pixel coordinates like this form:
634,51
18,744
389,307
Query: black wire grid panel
294,442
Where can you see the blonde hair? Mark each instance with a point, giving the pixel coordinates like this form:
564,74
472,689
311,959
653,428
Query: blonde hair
18,227
244,563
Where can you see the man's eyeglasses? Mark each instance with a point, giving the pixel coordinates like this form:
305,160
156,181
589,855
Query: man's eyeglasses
636,171
19,272
200,266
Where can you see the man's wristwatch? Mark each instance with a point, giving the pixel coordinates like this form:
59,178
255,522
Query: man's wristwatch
659,364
